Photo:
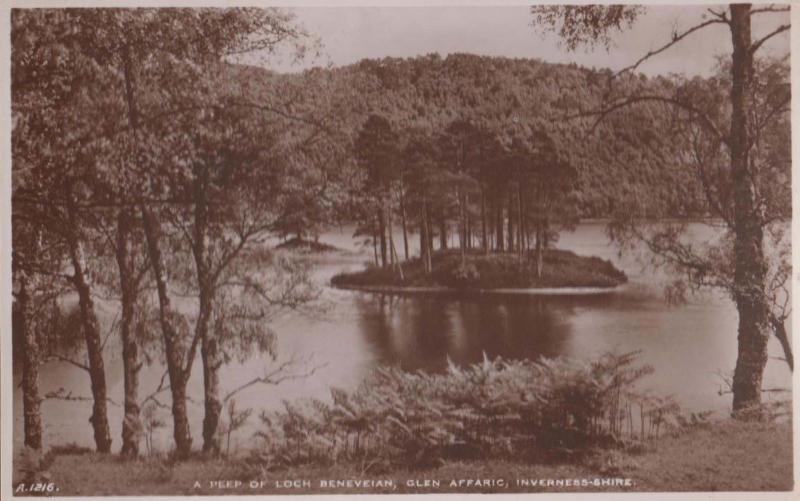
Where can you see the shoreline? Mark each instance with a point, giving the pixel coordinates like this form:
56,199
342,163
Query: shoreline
564,273
530,291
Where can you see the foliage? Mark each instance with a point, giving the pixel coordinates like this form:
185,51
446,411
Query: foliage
235,419
495,409
57,330
721,130
127,115
151,422
436,139
586,24
704,157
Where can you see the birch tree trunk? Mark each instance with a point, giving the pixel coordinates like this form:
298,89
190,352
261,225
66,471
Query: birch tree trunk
211,363
131,424
94,347
30,367
178,377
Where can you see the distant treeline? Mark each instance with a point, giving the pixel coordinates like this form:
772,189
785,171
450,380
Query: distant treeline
475,119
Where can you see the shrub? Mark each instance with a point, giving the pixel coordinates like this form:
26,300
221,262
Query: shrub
464,275
495,409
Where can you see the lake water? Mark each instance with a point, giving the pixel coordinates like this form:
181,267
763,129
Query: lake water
350,333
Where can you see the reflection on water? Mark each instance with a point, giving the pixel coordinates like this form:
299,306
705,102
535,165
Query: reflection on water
419,333
687,345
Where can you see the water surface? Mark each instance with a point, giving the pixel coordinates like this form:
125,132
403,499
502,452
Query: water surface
353,332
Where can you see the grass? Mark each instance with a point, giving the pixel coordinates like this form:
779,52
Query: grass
723,456
561,268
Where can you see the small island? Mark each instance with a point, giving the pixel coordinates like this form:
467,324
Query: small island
302,245
480,271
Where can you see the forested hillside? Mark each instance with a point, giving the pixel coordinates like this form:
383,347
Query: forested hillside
508,102
495,139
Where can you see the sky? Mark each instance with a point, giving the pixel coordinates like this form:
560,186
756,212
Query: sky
349,34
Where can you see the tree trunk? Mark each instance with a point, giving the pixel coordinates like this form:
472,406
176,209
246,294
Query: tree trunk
499,226
462,230
382,230
178,377
467,232
30,367
510,231
484,234
490,230
396,261
94,348
520,225
403,222
429,229
423,242
375,246
209,345
212,361
442,233
749,262
390,231
131,424
424,238
539,245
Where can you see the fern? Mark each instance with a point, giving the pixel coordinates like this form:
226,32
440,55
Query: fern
498,408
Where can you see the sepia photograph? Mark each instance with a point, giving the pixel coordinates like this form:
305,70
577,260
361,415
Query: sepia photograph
461,248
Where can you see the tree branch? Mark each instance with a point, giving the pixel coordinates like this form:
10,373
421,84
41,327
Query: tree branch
676,37
68,360
757,45
721,15
770,8
603,113
779,330
187,370
62,394
275,377
162,386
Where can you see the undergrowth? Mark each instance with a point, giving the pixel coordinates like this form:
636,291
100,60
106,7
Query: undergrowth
523,410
